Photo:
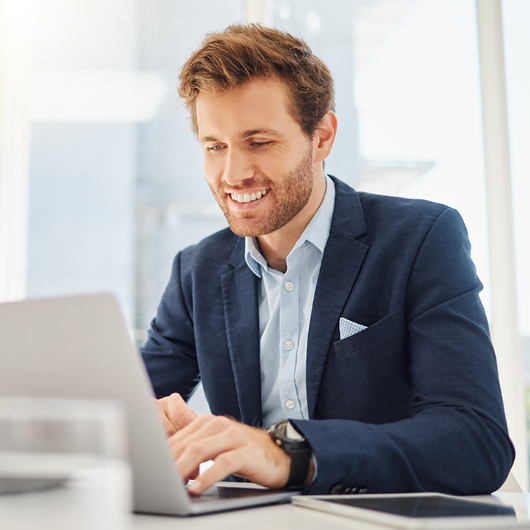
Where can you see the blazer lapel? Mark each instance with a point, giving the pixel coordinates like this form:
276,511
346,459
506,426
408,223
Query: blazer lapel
240,301
342,260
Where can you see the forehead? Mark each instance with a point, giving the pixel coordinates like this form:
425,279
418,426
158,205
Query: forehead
257,104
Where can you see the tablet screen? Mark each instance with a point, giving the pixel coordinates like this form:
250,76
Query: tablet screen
430,506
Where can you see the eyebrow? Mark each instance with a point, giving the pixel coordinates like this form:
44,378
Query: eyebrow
246,134
254,132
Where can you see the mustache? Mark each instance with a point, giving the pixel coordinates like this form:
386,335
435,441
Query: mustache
248,185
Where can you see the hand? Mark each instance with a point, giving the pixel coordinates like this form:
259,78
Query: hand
234,447
174,413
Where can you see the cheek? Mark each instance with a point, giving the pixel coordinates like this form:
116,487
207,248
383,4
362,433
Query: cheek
213,170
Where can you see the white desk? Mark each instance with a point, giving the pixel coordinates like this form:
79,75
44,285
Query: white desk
289,517
63,509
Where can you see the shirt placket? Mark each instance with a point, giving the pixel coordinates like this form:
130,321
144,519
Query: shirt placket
290,336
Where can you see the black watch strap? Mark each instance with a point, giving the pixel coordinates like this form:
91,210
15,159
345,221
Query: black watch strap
300,461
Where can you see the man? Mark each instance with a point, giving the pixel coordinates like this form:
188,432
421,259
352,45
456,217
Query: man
354,316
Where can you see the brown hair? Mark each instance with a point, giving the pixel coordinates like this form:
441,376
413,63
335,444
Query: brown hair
228,59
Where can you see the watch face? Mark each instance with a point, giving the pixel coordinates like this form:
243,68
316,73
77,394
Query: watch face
291,433
280,428
286,431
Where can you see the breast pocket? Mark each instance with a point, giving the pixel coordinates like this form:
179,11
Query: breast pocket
367,378
370,335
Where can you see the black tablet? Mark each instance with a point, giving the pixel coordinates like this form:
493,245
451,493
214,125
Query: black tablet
429,511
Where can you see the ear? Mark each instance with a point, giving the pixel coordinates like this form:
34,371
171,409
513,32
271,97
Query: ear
325,136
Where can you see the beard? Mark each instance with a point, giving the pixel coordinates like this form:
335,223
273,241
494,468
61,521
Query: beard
290,193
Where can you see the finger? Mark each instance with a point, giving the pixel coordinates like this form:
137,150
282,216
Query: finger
168,426
179,414
203,426
225,464
208,448
161,408
190,433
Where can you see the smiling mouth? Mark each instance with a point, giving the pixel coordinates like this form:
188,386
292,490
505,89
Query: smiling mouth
249,197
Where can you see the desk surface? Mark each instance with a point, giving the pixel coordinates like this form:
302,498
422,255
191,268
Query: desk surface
72,509
289,517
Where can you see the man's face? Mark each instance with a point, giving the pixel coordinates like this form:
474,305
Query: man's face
257,161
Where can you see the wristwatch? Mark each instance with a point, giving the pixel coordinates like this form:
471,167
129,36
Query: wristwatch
285,435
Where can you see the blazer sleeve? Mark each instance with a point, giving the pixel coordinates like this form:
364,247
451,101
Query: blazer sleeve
456,440
169,353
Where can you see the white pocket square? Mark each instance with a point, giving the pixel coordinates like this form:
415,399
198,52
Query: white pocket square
347,328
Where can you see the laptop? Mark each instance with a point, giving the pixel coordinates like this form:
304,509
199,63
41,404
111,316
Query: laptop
79,347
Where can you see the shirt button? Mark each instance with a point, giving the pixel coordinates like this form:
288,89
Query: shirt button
290,404
288,345
289,286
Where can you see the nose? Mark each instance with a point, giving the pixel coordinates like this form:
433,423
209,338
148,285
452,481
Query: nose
237,167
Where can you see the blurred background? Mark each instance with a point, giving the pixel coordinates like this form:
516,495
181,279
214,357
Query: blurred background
101,180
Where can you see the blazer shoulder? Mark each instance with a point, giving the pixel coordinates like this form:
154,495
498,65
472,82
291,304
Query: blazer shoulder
368,215
400,214
386,205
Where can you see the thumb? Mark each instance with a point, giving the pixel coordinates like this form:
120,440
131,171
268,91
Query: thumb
178,412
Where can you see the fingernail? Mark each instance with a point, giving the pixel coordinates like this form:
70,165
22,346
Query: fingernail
195,487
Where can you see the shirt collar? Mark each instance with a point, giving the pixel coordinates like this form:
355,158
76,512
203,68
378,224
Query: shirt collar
316,232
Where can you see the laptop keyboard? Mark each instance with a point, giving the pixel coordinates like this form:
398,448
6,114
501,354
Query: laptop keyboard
218,493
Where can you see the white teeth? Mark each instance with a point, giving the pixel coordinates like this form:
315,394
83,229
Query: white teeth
249,197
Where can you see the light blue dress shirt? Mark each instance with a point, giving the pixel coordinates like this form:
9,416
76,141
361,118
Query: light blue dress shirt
285,303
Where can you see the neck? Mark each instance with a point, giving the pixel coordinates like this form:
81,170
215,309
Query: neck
276,246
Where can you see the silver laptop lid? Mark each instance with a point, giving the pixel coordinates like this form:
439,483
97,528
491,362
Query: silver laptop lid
79,347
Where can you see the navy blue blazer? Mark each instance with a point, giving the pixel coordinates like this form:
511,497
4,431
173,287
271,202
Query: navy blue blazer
412,403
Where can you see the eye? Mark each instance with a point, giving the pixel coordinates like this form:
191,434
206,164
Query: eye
260,144
214,148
